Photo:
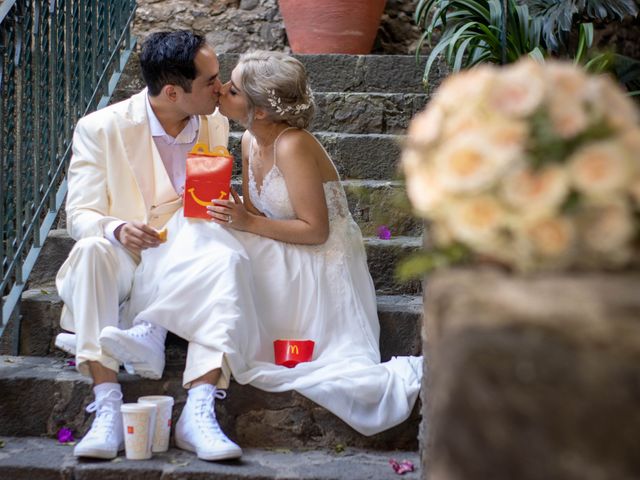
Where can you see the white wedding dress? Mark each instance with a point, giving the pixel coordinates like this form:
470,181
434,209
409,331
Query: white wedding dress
245,291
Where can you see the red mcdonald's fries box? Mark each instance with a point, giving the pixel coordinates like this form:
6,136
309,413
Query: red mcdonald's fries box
208,177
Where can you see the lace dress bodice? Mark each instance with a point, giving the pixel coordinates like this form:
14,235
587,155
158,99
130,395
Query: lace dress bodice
273,198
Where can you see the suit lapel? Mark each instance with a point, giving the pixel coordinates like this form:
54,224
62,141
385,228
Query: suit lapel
138,143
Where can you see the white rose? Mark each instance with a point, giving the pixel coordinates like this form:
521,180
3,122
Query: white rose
540,191
470,163
518,90
476,221
599,168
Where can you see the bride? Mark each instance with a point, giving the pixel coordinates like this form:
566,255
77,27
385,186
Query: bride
285,261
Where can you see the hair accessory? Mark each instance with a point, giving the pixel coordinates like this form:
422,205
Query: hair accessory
276,102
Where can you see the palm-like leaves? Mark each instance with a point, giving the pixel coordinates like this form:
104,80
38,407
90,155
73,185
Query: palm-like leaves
471,31
557,15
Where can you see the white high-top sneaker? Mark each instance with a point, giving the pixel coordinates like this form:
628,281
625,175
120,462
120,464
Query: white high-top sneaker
105,438
66,342
198,431
140,348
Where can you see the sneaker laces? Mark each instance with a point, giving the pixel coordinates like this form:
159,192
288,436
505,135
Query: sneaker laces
105,408
205,411
145,329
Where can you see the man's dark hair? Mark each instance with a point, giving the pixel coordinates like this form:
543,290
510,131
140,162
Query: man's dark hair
167,59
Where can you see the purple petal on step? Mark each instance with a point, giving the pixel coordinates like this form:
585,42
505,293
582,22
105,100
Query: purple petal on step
65,435
384,233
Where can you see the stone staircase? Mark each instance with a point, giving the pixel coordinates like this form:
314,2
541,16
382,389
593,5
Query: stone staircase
364,105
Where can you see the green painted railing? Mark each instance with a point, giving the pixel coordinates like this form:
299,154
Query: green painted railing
60,60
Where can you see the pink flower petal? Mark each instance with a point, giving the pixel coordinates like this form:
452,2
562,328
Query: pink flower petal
401,467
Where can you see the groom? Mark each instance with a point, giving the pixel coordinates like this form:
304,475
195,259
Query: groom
125,182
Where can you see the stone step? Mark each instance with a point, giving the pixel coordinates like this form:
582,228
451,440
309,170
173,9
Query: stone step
35,458
356,156
358,73
382,256
41,394
372,203
363,112
400,322
327,73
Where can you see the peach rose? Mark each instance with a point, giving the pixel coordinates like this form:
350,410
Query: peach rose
465,88
635,190
568,118
535,191
551,237
469,163
608,227
423,190
476,220
612,103
599,168
426,126
518,91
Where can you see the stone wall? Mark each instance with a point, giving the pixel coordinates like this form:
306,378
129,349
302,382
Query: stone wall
532,378
239,25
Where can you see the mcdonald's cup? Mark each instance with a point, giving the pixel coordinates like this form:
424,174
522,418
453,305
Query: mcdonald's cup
289,353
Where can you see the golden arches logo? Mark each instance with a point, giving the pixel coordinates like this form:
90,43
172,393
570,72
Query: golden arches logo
293,350
192,191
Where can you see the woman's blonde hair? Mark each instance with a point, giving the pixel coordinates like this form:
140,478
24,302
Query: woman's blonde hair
277,83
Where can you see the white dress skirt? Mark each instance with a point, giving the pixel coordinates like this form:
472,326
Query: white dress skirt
237,292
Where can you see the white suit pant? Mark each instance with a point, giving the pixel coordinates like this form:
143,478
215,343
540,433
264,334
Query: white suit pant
93,282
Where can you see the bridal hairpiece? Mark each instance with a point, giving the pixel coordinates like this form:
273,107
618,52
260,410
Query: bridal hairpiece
276,102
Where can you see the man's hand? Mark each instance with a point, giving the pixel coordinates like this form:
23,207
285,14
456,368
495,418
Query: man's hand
137,236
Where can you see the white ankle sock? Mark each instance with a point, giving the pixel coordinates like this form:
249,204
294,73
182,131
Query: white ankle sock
103,389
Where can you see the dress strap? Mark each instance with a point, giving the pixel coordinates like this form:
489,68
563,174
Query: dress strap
275,143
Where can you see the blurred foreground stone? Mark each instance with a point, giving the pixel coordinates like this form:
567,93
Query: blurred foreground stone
532,377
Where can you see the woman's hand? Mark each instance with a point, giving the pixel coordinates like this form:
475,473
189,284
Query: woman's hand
230,213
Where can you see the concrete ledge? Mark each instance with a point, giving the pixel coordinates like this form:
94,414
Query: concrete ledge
43,459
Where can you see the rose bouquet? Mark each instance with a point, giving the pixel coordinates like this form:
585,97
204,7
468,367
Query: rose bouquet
533,165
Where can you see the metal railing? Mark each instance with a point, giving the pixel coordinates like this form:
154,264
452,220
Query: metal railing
60,60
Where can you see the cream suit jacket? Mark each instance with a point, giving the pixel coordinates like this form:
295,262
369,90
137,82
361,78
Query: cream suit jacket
116,172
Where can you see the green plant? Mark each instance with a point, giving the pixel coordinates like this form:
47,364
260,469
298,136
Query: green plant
471,32
558,17
474,31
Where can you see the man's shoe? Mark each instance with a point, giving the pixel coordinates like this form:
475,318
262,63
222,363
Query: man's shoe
141,348
66,342
198,431
105,438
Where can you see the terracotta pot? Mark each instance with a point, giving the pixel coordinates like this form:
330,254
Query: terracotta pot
331,26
